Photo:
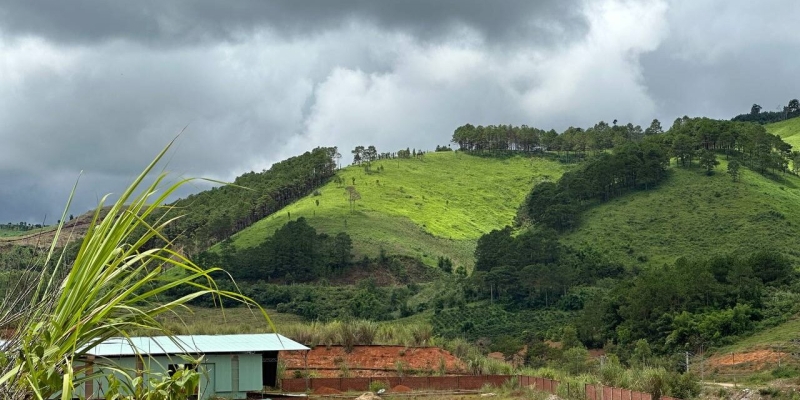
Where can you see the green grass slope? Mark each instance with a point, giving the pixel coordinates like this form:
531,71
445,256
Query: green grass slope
13,233
436,206
785,334
788,130
694,215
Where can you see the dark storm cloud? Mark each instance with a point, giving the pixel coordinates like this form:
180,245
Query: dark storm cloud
101,86
722,56
160,23
686,87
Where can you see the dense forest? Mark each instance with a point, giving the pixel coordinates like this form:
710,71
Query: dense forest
211,216
756,114
602,136
295,253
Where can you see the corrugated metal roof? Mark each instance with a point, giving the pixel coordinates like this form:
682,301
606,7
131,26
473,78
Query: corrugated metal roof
195,344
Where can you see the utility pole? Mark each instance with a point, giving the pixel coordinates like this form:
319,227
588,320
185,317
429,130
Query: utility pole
687,361
702,364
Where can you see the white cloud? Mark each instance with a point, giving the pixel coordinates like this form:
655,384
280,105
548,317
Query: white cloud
435,88
709,31
256,96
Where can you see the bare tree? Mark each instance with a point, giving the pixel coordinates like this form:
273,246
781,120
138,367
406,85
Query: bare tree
353,196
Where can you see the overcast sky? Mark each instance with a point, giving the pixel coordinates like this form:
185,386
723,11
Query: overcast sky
101,86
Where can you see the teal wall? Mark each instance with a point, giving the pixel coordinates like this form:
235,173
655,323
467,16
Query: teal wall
215,367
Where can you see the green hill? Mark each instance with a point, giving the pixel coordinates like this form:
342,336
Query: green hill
694,215
435,206
788,130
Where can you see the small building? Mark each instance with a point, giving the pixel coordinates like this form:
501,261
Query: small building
232,365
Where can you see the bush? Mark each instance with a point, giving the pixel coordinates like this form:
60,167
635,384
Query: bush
375,386
652,381
785,372
612,373
422,334
682,386
574,360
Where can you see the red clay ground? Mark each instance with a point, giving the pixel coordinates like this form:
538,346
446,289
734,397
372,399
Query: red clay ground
751,360
375,361
326,390
401,389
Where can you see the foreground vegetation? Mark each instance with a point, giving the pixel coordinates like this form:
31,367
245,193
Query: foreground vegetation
59,314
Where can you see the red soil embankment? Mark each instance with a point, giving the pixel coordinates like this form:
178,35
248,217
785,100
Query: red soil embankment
371,361
751,360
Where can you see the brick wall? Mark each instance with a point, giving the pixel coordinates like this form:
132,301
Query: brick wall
463,382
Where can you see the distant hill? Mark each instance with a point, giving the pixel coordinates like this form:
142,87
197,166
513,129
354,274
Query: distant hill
438,205
788,130
72,230
694,215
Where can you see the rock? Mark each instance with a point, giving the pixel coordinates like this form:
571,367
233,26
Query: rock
368,396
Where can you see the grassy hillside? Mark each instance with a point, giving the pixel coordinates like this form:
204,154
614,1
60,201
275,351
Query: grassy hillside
692,214
785,334
6,233
788,130
438,205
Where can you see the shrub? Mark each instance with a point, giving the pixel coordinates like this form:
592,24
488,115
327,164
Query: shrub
612,373
365,332
682,386
421,334
375,386
575,359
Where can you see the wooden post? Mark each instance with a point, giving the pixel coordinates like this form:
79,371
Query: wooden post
88,386
305,365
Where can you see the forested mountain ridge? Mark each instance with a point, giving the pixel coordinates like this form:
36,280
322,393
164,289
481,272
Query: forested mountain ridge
756,115
439,204
213,215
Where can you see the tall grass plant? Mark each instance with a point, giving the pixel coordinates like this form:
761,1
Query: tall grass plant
111,289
